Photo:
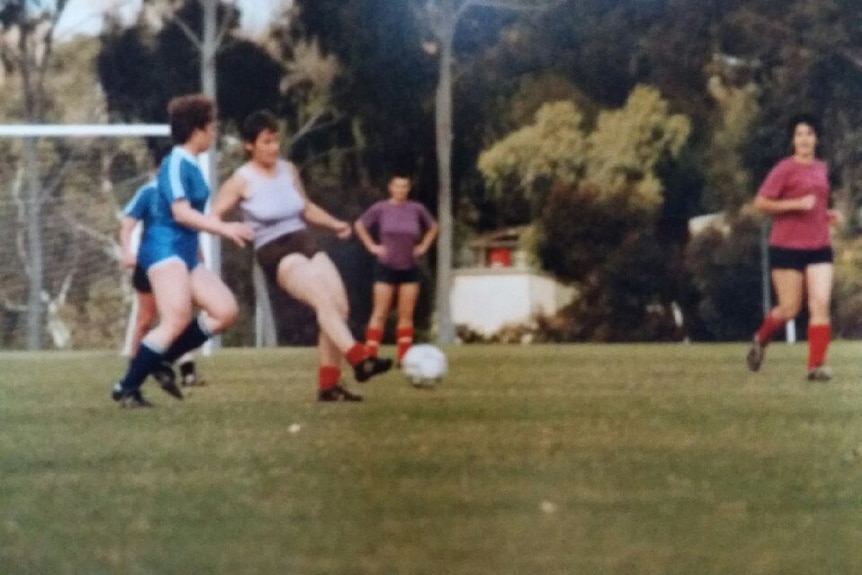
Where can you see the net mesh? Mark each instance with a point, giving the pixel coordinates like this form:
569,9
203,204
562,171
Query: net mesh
60,209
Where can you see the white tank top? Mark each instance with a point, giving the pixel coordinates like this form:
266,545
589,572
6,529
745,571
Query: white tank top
274,206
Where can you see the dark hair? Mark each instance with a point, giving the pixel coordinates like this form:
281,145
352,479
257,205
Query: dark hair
187,114
807,119
159,151
400,173
257,122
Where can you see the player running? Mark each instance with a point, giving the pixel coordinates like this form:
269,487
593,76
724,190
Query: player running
796,195
169,253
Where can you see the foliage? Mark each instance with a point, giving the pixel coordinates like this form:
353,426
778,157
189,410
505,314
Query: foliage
142,67
527,161
596,197
726,267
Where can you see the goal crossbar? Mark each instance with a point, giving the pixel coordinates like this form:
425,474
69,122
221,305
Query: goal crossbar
83,130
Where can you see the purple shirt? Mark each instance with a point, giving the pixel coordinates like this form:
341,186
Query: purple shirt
399,227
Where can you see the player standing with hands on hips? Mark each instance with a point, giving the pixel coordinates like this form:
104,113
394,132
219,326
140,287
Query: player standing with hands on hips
169,253
405,230
795,194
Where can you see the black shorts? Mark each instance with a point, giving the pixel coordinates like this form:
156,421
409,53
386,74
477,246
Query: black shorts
140,281
269,255
792,259
385,275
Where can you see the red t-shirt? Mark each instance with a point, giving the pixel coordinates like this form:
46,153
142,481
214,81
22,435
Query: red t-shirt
791,179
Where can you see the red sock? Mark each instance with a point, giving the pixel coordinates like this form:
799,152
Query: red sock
818,342
356,354
404,337
328,376
769,326
373,337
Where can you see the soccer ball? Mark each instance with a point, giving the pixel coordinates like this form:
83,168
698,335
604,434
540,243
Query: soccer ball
424,365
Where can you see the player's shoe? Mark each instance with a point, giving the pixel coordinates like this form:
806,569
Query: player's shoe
820,373
192,380
337,393
755,355
129,399
369,367
164,374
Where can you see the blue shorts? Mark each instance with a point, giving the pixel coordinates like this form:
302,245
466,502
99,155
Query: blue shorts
152,253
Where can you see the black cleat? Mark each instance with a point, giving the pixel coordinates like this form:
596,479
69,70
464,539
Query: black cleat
129,399
820,373
337,393
755,355
192,380
164,374
369,367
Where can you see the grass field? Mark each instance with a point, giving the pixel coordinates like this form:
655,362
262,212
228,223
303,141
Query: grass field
641,459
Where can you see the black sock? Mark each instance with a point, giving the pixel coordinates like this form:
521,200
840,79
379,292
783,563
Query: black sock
140,366
191,338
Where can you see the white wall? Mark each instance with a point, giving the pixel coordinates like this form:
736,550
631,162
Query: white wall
486,299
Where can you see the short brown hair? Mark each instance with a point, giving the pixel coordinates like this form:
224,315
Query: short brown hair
189,113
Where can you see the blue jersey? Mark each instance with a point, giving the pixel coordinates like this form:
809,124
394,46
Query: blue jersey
141,203
179,178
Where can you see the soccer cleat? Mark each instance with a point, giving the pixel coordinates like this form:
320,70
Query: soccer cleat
369,367
192,380
164,374
755,355
130,399
337,393
820,373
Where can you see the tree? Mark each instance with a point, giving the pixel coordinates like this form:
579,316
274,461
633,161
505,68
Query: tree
596,197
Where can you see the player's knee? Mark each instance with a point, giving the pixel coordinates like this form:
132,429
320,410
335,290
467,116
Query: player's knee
786,312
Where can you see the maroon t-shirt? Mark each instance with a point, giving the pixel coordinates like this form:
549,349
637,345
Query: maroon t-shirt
791,179
398,227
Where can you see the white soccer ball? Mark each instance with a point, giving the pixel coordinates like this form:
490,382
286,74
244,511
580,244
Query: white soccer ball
424,365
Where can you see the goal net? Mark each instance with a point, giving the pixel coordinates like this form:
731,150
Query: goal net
62,191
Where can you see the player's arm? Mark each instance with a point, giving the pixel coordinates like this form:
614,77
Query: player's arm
365,237
317,216
229,196
185,215
428,239
127,228
774,207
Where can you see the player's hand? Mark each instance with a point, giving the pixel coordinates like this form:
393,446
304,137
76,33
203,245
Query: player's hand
806,203
378,250
343,230
419,251
238,233
836,218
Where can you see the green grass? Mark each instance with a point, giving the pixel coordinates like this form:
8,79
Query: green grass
650,459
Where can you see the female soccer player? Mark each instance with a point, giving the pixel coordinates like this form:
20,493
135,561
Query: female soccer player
796,194
169,253
270,194
405,230
135,218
